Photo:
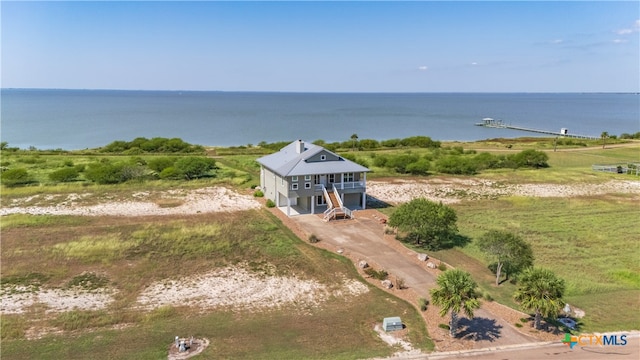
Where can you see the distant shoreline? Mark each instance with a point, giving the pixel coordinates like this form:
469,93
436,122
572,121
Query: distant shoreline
328,92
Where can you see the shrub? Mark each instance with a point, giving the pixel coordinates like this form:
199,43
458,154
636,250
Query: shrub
442,266
380,275
105,173
487,296
16,177
270,203
531,158
443,326
258,193
313,239
456,165
161,163
64,175
518,325
423,303
193,167
170,173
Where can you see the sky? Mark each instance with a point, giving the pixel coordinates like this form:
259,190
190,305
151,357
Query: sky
427,46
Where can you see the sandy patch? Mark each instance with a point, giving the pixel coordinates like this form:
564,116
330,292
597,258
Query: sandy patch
17,300
454,190
238,288
205,200
234,288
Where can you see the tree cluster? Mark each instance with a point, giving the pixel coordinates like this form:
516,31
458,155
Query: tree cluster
428,224
142,145
454,160
190,167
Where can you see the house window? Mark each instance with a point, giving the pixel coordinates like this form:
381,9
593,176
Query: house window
294,178
307,178
323,157
348,177
316,179
332,178
294,186
307,185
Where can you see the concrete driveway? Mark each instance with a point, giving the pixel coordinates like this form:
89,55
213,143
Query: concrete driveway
363,239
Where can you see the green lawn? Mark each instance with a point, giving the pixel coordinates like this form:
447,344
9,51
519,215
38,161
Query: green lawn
590,242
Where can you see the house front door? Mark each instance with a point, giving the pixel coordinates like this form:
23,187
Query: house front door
323,180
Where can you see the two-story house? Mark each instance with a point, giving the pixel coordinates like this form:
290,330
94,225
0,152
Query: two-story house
309,179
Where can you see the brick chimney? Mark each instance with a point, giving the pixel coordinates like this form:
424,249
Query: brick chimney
299,146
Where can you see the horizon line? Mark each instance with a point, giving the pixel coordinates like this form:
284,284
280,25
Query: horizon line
327,92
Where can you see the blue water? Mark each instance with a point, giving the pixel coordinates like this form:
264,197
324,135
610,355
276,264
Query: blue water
78,119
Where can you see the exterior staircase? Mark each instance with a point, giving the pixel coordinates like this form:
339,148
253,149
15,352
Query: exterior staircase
335,208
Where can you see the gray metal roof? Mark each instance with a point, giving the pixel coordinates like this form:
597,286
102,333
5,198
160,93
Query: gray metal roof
288,162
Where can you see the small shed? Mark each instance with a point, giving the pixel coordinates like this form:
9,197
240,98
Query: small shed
391,324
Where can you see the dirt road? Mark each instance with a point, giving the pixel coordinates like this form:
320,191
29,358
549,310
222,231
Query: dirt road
363,239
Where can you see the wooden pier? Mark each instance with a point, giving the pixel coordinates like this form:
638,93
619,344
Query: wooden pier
498,124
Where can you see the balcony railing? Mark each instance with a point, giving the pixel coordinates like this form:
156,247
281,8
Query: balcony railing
342,186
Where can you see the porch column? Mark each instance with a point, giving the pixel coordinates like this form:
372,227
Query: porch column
288,207
342,181
277,198
364,200
313,203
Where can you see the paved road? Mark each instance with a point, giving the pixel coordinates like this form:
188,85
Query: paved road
363,237
546,351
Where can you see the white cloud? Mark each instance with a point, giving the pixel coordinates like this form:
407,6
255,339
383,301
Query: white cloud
620,41
422,68
557,41
631,30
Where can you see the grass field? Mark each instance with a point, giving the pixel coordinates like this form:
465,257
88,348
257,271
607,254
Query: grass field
589,241
129,253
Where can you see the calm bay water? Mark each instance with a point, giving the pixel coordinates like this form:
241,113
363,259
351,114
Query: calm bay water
78,119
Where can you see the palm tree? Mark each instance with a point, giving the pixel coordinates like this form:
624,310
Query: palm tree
456,292
540,290
354,138
604,137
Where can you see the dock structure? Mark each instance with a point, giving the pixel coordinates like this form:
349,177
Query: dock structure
564,132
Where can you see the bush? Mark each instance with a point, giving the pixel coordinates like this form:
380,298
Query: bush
443,326
270,203
487,296
456,165
442,266
518,325
64,175
194,167
423,303
313,239
531,158
258,193
16,177
380,275
105,173
161,163
170,173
